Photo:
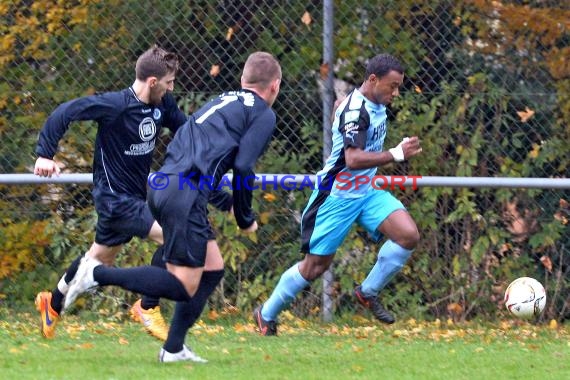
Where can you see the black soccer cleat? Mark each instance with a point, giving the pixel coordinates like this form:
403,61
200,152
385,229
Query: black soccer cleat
372,303
267,328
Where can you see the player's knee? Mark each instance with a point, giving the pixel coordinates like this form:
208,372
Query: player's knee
191,289
314,272
414,238
314,268
408,238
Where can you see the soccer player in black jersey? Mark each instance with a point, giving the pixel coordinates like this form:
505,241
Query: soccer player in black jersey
129,121
229,132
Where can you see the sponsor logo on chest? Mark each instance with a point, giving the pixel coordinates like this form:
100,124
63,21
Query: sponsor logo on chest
147,129
147,133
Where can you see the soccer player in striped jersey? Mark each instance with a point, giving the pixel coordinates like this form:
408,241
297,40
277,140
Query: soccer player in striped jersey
359,130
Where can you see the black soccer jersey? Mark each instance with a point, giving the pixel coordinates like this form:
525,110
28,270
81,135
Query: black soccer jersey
127,133
229,132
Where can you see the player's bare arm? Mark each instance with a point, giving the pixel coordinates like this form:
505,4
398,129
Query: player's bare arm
357,158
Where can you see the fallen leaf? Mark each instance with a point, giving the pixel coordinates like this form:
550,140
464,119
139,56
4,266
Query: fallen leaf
240,327
264,217
123,341
454,309
213,314
561,218
526,114
215,70
230,310
269,197
252,237
229,34
356,348
307,19
357,368
535,151
324,70
545,260
553,325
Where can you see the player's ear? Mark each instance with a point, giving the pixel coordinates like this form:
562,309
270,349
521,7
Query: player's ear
152,81
276,85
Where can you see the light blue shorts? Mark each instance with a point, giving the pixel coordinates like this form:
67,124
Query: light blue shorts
327,219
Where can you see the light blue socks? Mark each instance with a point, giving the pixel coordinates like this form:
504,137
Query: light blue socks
391,259
289,285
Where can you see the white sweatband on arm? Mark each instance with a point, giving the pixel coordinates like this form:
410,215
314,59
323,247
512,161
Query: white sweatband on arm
397,153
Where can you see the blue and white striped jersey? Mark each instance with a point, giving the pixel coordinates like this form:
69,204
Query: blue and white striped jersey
358,123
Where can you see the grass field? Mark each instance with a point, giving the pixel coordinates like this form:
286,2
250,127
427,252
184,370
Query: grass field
104,347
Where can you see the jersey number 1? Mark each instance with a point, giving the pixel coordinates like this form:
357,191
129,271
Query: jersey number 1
225,101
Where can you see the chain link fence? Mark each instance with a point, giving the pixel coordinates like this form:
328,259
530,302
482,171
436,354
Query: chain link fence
486,89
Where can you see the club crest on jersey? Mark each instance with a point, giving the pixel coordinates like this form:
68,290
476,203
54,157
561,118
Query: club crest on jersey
147,129
156,114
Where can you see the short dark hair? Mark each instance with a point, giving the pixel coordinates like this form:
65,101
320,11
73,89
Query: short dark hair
156,62
382,64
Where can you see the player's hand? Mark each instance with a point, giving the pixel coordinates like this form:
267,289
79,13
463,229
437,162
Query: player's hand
408,147
411,146
46,168
250,229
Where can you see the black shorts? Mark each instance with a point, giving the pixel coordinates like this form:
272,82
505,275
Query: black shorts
120,217
183,216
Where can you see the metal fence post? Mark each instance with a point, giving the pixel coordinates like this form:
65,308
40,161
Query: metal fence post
328,100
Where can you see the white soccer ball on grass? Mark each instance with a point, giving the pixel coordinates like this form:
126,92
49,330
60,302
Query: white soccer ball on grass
525,298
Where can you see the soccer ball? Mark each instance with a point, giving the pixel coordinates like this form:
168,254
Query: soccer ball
525,297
